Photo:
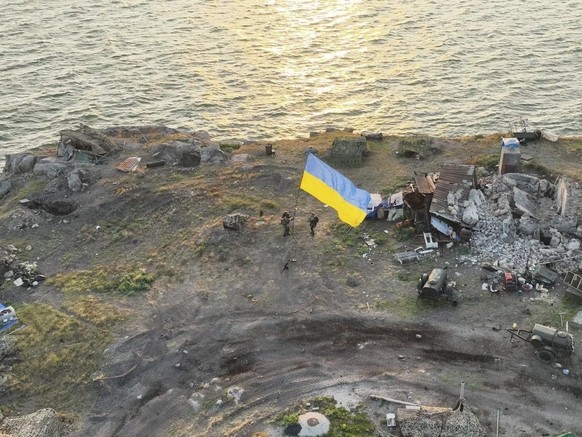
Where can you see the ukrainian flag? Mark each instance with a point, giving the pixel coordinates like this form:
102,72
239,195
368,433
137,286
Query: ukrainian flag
334,189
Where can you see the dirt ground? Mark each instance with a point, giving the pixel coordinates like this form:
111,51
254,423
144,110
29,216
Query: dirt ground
225,316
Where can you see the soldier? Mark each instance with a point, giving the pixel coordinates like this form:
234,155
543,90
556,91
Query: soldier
286,222
313,220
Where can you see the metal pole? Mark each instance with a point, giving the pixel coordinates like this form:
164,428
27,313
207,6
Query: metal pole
462,391
498,414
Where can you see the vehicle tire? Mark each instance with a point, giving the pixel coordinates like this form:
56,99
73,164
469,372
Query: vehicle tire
546,355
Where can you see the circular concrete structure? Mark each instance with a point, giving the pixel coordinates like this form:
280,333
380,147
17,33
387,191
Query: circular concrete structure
313,424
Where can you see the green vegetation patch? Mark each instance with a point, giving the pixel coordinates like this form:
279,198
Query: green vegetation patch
104,279
343,422
95,310
344,236
534,166
228,148
553,315
403,306
58,352
403,233
488,160
32,188
398,185
244,202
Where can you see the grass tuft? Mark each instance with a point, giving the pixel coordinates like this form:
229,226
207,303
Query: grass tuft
104,280
56,346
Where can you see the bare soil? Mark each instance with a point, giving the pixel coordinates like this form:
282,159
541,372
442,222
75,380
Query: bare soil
225,313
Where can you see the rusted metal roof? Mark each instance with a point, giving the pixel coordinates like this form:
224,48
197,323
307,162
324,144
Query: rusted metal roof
130,164
452,178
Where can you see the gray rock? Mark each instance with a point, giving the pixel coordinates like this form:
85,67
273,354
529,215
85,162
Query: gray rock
213,155
555,240
20,163
524,202
42,423
180,153
510,182
74,182
50,169
476,196
470,215
5,187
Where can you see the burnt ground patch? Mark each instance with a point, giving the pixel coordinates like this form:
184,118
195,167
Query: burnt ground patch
452,356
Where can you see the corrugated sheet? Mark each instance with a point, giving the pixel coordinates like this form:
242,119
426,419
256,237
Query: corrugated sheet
130,164
452,177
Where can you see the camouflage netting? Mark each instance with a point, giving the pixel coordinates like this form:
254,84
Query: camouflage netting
451,424
348,151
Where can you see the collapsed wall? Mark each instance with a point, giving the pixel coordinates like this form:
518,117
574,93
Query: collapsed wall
524,220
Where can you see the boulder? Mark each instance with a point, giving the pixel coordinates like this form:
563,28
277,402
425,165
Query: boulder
74,182
50,169
524,202
213,154
573,244
373,135
183,154
20,163
476,196
470,215
5,187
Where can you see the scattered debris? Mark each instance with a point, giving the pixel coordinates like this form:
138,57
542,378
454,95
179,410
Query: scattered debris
235,221
403,257
434,421
85,139
8,318
129,165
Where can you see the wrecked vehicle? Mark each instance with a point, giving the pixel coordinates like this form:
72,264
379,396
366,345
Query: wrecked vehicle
434,286
550,344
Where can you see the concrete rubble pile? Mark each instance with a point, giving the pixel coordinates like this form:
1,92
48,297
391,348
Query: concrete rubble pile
521,220
446,424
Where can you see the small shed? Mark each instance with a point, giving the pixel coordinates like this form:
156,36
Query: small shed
348,151
510,156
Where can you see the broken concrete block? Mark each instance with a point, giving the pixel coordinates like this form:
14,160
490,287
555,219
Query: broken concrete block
524,202
470,215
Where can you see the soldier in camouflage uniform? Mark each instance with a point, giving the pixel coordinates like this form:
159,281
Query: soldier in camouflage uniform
286,222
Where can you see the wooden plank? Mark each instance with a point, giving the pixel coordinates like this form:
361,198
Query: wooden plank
574,283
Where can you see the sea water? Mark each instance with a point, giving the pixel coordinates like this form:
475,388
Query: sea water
263,69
